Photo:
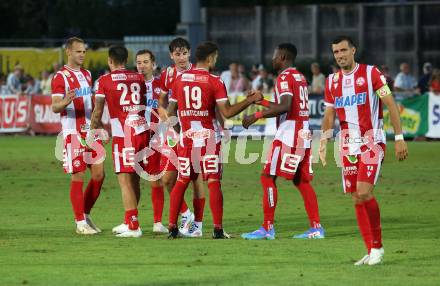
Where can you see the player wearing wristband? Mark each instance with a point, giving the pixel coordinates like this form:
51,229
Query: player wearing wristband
355,94
289,156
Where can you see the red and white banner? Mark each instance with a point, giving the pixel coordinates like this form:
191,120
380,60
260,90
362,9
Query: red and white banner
42,119
18,113
14,113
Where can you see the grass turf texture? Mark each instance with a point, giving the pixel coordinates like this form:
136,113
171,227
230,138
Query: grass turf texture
38,245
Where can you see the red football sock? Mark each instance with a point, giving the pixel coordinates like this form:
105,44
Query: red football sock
91,194
157,199
176,198
364,225
132,217
199,207
270,198
184,207
216,203
373,212
310,203
77,199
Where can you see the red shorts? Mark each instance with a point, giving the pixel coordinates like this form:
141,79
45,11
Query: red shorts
166,164
127,155
363,167
153,163
77,156
196,160
288,162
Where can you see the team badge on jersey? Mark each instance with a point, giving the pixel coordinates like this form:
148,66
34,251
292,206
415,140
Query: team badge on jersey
336,77
360,81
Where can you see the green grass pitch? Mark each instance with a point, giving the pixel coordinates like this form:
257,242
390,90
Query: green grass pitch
38,245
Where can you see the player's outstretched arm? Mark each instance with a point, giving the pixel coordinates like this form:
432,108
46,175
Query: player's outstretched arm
172,116
228,110
273,110
401,149
163,101
97,113
59,103
327,132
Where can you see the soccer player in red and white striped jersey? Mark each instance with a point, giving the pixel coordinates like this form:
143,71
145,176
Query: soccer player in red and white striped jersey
180,52
195,96
72,98
355,95
289,156
124,91
145,63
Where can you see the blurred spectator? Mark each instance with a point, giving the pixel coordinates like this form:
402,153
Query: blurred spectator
13,82
423,84
226,75
30,86
45,83
404,81
253,73
386,72
3,86
263,80
318,79
434,83
235,82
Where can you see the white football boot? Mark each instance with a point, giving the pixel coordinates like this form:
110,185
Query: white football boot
376,256
158,227
92,224
195,230
120,228
83,228
185,222
131,233
363,260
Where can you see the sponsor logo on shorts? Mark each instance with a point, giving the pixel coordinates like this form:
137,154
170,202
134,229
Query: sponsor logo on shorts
198,134
350,170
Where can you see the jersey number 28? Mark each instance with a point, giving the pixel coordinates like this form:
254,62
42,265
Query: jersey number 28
135,93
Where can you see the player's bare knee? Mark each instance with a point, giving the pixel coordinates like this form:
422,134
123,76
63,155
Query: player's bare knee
98,176
78,177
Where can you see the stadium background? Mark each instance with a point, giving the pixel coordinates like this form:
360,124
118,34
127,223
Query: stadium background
37,244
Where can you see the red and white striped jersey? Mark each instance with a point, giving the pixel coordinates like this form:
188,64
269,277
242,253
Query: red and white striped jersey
356,100
75,118
293,126
124,91
152,101
197,93
169,75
